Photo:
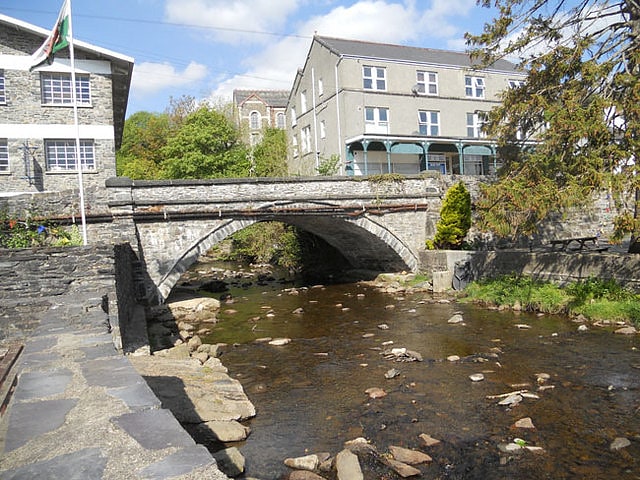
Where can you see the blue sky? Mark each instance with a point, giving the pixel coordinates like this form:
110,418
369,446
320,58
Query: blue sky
207,48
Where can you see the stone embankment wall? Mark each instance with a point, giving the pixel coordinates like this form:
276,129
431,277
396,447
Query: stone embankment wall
557,267
34,278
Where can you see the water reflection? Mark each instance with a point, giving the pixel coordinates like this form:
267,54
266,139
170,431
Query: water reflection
310,396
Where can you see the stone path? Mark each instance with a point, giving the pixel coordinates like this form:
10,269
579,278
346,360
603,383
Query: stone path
81,411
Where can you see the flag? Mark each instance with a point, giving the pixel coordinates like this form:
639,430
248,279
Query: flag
58,39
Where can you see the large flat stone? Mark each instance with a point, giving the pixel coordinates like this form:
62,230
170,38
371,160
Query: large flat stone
136,397
30,419
102,350
154,429
87,464
180,463
110,372
33,385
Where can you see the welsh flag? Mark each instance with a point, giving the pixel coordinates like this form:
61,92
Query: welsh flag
58,39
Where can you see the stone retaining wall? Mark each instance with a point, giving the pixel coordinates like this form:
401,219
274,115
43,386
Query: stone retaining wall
557,267
30,278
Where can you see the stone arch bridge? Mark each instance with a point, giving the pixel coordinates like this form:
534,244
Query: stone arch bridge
377,223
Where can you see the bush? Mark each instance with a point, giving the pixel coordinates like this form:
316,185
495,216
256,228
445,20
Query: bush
455,219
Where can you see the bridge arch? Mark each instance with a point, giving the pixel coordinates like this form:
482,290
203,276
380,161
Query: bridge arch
366,244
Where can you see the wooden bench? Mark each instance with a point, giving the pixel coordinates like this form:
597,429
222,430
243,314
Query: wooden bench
583,243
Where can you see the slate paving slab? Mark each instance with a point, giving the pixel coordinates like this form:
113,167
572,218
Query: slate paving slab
32,385
136,397
87,464
154,429
30,419
110,372
179,463
99,351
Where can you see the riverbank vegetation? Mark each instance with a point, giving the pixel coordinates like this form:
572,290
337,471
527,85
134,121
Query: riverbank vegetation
593,298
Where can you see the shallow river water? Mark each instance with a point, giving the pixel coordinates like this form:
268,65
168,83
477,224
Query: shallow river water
310,394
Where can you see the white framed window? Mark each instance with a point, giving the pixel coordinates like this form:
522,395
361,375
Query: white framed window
427,82
3,95
294,120
429,123
61,155
4,155
376,120
515,83
56,89
280,121
303,101
374,78
254,121
323,129
475,121
294,145
474,86
305,138
320,87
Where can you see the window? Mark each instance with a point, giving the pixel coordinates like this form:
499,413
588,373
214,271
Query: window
306,139
374,78
294,120
294,144
429,123
303,101
376,120
323,129
4,155
475,121
427,83
474,86
320,87
254,121
61,155
516,83
3,97
280,120
56,89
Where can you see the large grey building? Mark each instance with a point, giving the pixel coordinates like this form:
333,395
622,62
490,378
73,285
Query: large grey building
37,127
389,108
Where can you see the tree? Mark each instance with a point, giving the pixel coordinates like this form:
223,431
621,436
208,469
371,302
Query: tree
455,218
574,123
207,145
144,136
270,155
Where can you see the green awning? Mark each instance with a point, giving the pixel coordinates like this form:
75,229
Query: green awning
477,150
410,148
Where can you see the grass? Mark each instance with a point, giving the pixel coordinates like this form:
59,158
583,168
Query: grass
593,298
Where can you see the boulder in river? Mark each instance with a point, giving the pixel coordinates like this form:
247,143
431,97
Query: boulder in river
307,462
348,466
230,461
375,392
411,457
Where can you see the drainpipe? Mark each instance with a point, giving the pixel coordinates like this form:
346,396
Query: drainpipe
338,116
461,157
315,117
365,144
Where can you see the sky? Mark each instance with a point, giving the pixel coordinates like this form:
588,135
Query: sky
208,48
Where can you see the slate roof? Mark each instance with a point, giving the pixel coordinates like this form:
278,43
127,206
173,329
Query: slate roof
273,98
383,51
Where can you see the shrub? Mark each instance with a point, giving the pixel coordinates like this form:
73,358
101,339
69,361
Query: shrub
455,219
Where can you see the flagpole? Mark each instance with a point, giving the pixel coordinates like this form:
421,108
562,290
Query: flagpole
74,98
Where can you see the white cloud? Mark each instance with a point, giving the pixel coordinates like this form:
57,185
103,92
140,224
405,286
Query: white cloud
225,17
149,78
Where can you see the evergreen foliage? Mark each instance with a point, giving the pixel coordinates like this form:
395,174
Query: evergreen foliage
580,101
455,218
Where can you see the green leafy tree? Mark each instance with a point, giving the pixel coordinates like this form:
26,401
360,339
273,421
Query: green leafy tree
207,145
572,129
455,218
270,155
144,136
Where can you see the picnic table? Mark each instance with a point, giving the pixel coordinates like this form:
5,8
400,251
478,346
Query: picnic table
583,243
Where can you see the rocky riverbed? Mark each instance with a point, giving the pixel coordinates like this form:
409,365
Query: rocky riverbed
525,396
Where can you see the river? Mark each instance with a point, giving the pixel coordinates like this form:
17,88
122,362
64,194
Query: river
310,394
